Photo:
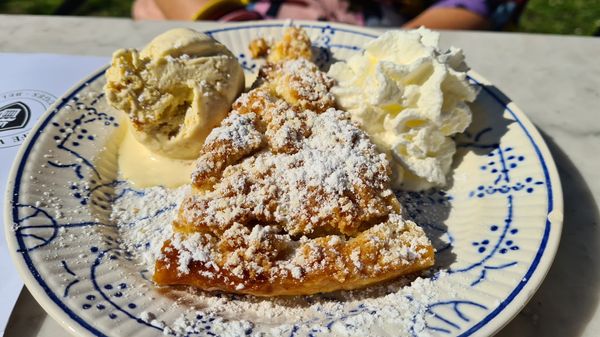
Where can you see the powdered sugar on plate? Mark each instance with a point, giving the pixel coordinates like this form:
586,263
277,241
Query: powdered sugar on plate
144,219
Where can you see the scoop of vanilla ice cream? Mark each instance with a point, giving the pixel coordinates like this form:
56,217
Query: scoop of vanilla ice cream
175,90
410,97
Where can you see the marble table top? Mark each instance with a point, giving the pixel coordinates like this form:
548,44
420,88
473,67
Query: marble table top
554,79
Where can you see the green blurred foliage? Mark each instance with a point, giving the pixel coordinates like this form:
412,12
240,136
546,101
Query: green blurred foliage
120,8
578,17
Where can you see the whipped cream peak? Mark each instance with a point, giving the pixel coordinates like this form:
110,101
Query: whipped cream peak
410,97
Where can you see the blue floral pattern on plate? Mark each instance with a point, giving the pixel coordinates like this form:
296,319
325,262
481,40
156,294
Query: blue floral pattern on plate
507,171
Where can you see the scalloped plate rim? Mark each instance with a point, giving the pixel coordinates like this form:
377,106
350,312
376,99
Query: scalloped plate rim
492,322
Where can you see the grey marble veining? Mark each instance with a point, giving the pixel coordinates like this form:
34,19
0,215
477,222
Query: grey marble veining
555,80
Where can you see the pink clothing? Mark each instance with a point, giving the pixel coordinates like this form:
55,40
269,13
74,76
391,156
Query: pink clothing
356,12
330,10
380,12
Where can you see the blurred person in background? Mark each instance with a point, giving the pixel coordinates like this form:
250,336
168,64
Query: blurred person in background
442,14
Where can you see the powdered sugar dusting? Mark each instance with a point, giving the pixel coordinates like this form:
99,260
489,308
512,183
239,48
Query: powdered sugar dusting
335,159
144,219
400,306
290,193
310,211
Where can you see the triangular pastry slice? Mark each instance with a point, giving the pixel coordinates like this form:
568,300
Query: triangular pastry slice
290,197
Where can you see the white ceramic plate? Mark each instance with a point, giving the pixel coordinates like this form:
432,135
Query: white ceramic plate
496,228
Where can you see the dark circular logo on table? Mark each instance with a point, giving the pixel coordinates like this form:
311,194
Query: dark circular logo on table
18,110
